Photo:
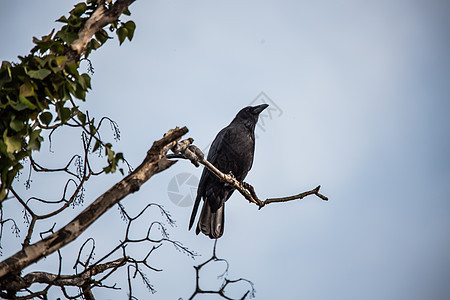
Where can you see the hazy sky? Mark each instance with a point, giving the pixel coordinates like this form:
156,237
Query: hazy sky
360,96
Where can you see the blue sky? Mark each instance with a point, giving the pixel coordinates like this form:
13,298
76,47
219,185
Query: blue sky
363,92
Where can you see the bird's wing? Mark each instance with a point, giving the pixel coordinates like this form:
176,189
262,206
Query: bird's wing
214,151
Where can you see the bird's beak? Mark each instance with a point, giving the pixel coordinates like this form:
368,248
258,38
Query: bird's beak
258,109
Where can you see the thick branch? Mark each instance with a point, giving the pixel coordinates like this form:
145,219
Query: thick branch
154,162
78,280
99,19
185,150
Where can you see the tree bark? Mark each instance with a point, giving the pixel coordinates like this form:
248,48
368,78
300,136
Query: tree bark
99,19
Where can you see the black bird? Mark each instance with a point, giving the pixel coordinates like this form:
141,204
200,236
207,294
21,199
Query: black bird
231,151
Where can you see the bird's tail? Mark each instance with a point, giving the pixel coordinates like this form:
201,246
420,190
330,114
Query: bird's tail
211,223
194,211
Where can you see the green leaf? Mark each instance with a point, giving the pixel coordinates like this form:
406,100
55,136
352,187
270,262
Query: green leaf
39,74
27,102
79,9
87,81
68,37
35,140
58,86
74,21
43,61
40,61
6,65
2,193
57,64
92,129
109,152
71,68
46,117
16,125
61,60
102,36
57,48
46,38
130,26
48,93
13,143
107,169
64,92
71,86
127,12
11,174
80,93
119,156
5,73
26,90
96,146
44,46
64,114
82,117
19,106
63,19
122,33
95,44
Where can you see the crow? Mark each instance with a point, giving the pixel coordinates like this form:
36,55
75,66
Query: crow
231,151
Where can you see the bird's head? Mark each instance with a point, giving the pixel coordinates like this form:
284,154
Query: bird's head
249,115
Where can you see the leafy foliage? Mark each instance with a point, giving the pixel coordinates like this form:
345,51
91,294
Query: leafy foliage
39,92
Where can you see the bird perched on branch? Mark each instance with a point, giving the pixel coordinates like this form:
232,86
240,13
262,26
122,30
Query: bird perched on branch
231,151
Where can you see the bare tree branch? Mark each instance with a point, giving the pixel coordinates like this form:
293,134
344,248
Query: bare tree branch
184,149
154,162
226,282
254,198
78,280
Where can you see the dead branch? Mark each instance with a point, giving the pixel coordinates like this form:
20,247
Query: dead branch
226,282
154,162
78,280
185,150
